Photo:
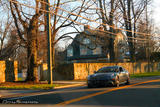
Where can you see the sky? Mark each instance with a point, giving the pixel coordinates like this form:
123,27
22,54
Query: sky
156,12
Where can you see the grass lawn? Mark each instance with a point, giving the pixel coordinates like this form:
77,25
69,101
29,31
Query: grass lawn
147,74
42,86
10,85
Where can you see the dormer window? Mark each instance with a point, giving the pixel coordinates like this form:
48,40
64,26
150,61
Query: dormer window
86,41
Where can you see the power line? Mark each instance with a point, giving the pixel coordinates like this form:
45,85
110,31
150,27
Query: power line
96,21
76,21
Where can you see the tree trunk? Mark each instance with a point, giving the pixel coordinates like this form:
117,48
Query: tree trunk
111,47
1,47
53,57
32,70
53,49
131,47
130,34
111,43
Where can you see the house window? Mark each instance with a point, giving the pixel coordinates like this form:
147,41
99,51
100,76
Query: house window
70,51
83,50
97,51
86,41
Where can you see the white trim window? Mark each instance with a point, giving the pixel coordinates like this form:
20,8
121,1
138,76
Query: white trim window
70,51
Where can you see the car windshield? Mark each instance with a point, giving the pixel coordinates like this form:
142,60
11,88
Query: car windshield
107,70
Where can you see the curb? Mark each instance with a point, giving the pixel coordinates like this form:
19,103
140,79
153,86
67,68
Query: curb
69,86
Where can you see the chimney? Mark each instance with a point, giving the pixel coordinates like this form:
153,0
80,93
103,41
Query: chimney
101,28
86,27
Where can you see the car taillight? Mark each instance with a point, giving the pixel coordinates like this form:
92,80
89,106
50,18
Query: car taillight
113,79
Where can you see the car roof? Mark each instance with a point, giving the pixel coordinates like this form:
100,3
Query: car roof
111,67
107,67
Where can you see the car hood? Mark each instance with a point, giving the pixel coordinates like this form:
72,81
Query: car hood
101,76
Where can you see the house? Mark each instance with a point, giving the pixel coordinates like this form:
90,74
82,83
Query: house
91,45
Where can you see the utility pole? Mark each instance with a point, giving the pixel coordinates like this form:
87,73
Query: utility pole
48,28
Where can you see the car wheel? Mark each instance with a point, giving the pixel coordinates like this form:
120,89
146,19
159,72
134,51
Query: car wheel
117,82
128,81
90,86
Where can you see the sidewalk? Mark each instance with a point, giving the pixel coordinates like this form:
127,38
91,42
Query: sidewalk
21,93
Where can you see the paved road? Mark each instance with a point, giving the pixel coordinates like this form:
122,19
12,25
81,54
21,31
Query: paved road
145,92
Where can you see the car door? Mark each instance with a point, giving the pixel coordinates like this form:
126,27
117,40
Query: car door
122,73
126,75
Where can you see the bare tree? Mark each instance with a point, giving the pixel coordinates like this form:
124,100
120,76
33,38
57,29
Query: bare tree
132,10
27,28
3,34
64,17
107,17
9,50
5,27
105,13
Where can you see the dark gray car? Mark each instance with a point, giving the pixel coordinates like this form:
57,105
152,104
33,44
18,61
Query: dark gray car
111,75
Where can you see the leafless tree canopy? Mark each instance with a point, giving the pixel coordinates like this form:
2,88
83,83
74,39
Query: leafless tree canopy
27,26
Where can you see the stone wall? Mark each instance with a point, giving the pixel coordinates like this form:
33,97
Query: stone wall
16,70
62,72
82,70
2,71
8,71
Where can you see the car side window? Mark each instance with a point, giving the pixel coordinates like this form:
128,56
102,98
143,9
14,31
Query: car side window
121,69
